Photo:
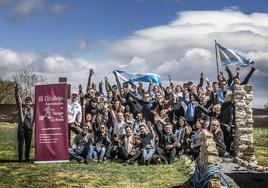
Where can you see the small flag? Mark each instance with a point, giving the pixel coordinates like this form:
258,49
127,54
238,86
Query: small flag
232,57
138,77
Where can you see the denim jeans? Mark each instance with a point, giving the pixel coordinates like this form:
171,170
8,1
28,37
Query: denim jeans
148,153
91,151
74,155
99,153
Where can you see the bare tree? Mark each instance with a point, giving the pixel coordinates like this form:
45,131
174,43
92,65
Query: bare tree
7,91
266,106
27,79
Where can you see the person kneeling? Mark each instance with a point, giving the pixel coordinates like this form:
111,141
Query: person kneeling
102,141
112,152
218,137
167,145
80,145
147,144
129,148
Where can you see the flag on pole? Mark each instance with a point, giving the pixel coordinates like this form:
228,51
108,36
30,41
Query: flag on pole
233,57
138,77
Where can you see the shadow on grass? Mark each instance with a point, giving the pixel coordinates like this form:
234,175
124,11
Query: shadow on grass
8,161
183,186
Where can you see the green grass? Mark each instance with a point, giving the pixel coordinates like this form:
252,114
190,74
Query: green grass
261,145
111,174
73,174
93,175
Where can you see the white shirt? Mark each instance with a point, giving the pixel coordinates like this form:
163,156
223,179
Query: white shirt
119,127
74,112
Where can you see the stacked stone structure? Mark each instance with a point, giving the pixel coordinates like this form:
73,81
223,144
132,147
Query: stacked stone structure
208,152
244,148
209,157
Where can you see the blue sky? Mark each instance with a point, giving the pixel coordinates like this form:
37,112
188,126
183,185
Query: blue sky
65,38
98,20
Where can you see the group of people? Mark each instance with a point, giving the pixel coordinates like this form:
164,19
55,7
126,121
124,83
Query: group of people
132,124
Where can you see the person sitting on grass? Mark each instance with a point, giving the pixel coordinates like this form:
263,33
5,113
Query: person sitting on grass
182,133
167,145
129,149
80,146
196,139
218,137
112,152
102,141
147,144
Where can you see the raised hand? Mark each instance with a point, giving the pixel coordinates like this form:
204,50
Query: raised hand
106,79
169,78
237,70
91,71
17,87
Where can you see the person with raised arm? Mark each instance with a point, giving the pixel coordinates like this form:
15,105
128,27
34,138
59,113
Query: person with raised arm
25,124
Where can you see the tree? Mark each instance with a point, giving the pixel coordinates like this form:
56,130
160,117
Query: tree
7,91
266,106
27,79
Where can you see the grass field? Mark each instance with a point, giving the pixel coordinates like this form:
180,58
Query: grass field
261,145
73,174
112,174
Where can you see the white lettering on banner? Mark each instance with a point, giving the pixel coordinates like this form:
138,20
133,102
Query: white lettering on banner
49,112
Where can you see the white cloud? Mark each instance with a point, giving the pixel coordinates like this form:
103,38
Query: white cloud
12,60
59,8
81,44
182,48
185,47
25,8
5,2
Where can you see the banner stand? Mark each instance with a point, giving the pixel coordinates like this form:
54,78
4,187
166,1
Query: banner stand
51,124
42,162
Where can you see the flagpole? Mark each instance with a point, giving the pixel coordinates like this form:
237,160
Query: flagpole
217,63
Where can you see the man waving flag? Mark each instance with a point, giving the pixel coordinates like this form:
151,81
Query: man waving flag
138,77
232,57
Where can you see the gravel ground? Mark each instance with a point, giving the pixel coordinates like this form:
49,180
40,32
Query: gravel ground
243,177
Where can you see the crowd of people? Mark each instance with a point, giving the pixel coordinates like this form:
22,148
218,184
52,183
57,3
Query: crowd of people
130,123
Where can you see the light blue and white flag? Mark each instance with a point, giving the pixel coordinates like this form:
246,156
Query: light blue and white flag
138,77
232,57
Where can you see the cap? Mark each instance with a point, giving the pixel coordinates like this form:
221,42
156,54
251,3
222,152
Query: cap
74,93
102,125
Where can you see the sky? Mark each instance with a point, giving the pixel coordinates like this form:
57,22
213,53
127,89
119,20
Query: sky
176,37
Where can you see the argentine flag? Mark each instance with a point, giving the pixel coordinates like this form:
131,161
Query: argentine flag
138,77
232,57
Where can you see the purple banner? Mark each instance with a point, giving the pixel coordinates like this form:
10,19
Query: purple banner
51,123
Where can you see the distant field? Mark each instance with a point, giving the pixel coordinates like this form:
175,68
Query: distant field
73,174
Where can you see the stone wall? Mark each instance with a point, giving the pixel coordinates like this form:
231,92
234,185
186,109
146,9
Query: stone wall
208,152
209,157
243,140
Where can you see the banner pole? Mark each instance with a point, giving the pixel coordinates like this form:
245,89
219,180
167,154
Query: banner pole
217,63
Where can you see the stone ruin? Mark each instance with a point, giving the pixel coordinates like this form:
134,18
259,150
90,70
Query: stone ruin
243,139
209,157
208,152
